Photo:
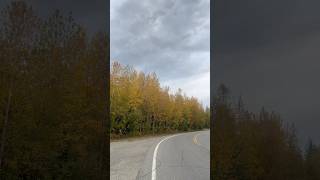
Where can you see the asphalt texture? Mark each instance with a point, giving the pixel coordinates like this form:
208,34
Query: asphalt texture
183,156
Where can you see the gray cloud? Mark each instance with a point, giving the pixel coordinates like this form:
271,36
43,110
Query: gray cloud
168,37
268,52
92,15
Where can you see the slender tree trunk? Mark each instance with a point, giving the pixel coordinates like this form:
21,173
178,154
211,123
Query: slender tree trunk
105,151
152,125
5,126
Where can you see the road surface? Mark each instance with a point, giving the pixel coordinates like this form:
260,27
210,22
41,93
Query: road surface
127,156
184,156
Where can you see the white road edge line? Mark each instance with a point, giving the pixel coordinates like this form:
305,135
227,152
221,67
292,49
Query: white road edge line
154,159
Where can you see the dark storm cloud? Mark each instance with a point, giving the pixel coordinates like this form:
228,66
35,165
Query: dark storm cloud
168,37
92,15
268,52
252,23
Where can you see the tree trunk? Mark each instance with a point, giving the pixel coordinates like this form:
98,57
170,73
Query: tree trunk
152,124
5,126
105,125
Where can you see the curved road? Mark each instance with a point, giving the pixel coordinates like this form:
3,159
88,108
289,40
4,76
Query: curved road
183,156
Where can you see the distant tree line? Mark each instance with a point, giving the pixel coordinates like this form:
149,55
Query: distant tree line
53,86
139,105
257,146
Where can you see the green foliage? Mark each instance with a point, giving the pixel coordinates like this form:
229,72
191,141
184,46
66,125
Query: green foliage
312,161
248,146
56,122
140,106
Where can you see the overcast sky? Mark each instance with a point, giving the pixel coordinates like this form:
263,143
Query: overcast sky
169,37
92,15
268,52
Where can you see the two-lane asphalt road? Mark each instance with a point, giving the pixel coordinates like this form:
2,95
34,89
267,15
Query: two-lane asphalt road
183,156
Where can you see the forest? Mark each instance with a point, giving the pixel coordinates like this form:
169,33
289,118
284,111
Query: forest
140,106
53,97
251,146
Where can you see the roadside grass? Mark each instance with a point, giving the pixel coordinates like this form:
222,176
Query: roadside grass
132,137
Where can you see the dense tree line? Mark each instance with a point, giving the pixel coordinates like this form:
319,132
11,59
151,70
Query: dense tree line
251,146
53,86
139,105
